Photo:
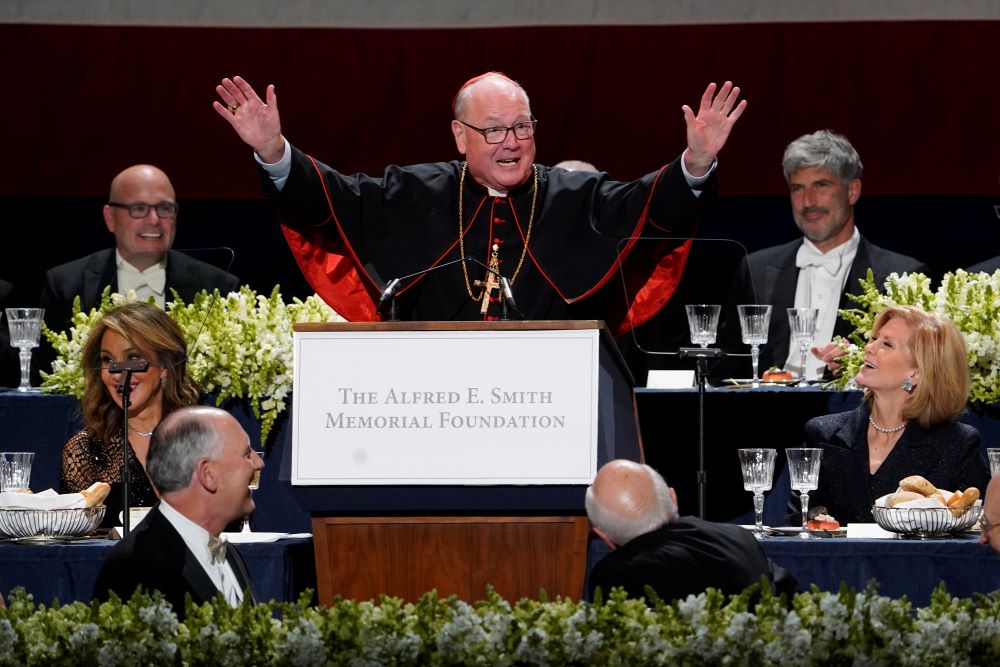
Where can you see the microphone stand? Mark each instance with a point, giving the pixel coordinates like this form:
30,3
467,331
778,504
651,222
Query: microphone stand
126,369
701,356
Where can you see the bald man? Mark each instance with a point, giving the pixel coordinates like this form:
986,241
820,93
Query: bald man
991,515
141,213
201,461
634,511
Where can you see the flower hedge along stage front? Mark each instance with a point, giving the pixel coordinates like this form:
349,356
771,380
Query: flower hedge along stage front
818,628
970,300
239,345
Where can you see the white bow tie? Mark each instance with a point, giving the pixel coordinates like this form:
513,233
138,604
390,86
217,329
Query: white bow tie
217,548
831,262
156,279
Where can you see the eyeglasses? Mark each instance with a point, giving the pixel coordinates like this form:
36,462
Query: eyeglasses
524,129
140,209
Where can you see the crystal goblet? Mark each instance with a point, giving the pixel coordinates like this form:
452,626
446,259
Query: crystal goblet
754,322
703,321
802,324
253,486
758,471
25,326
803,469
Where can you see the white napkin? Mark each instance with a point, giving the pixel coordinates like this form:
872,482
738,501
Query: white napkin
45,500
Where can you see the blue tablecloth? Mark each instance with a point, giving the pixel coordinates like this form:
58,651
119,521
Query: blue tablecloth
280,570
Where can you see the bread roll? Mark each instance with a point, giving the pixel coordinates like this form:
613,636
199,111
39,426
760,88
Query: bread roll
917,484
96,493
902,497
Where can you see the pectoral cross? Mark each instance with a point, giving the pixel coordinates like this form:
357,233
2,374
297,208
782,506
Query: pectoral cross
492,280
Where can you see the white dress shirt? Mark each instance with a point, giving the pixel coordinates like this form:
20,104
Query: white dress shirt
149,283
822,278
196,539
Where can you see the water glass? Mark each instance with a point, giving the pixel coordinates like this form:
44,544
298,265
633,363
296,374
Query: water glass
703,321
758,471
25,325
15,471
754,322
803,468
802,323
253,485
994,455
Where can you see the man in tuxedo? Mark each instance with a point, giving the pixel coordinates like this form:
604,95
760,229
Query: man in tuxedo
142,214
634,511
201,463
819,270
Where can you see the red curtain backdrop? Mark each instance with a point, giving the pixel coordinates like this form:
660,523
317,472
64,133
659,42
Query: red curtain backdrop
918,99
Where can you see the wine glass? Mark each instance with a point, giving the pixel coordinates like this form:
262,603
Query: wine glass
253,486
703,320
802,323
25,326
803,468
758,470
754,321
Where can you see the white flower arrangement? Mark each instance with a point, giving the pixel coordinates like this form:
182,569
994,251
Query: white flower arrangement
970,300
817,628
239,345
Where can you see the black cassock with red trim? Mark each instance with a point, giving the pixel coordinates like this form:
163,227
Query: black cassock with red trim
353,234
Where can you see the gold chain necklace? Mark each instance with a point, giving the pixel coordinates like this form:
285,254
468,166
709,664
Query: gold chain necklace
145,434
461,229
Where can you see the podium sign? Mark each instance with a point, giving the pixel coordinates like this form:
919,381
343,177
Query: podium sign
445,407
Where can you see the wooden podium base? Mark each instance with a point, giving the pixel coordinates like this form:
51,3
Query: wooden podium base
363,557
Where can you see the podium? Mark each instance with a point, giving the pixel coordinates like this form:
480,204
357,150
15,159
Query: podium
454,455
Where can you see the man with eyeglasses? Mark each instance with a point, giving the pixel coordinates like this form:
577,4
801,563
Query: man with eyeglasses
442,238
142,214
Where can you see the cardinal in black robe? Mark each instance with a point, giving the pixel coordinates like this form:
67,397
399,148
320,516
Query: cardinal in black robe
442,235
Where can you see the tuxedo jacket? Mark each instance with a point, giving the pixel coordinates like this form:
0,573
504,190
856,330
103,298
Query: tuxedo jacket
686,556
87,277
770,276
948,455
155,556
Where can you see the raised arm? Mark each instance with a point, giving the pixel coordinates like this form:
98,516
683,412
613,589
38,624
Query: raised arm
256,121
708,131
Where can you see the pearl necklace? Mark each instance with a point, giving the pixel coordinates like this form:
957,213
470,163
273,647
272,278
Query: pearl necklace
882,429
145,434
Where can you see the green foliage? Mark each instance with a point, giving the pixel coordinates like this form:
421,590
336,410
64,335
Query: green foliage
755,627
970,300
239,345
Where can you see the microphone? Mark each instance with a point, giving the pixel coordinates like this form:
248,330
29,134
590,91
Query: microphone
388,294
392,287
508,295
131,365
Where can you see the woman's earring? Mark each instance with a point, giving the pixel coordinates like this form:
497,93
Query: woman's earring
908,385
163,380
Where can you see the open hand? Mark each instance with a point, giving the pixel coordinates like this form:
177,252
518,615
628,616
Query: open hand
257,122
708,131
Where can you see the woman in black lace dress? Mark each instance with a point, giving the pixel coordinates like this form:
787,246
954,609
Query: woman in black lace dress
134,331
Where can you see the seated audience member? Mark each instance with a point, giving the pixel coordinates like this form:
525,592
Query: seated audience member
916,383
132,331
635,512
142,214
823,172
10,361
200,460
991,515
